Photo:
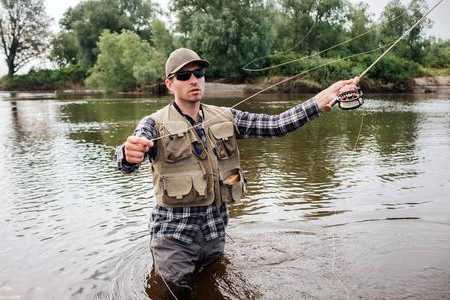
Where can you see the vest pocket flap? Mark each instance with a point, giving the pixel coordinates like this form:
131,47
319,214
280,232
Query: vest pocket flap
178,145
178,186
223,130
178,128
199,185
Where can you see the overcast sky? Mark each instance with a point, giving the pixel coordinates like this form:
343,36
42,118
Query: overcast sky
440,17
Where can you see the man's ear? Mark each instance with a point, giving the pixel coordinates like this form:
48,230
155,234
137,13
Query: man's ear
169,83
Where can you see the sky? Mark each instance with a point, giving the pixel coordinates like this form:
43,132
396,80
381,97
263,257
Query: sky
440,16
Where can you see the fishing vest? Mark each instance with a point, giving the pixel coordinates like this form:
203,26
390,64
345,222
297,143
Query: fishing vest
182,177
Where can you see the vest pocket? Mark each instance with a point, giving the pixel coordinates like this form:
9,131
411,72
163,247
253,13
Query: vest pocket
178,143
233,188
224,140
181,190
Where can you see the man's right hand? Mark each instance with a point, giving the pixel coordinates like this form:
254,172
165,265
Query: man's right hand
135,149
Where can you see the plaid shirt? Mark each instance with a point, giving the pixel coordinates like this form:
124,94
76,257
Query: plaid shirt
182,223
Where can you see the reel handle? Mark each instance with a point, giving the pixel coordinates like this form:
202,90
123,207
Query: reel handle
349,100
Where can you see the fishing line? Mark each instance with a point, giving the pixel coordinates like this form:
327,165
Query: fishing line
302,73
274,85
347,98
351,96
352,100
168,287
362,119
359,133
309,30
359,100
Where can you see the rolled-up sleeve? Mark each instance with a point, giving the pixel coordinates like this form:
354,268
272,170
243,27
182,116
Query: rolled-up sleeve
250,125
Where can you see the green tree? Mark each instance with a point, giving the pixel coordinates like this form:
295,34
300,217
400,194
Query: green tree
162,38
124,61
412,47
416,39
24,31
64,49
83,24
227,33
437,53
312,25
361,23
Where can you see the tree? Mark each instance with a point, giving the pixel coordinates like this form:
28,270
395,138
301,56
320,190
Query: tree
360,23
83,24
227,33
312,25
124,61
64,49
416,39
437,53
24,31
162,38
412,47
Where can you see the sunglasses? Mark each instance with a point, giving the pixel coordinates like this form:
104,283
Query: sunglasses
186,75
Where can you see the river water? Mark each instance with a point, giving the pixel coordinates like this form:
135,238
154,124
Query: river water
323,218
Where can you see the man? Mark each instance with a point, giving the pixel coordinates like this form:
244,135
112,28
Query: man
196,167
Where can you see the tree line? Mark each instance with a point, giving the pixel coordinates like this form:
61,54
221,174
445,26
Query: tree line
122,44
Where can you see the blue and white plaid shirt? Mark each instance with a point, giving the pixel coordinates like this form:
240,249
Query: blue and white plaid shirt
182,223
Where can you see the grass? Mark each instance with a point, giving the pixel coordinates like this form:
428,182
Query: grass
437,71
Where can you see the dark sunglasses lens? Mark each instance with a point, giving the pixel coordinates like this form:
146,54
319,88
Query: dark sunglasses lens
199,73
183,76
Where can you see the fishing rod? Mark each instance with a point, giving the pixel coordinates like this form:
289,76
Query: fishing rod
353,98
347,100
274,85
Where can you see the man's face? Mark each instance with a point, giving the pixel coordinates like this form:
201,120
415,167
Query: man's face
190,90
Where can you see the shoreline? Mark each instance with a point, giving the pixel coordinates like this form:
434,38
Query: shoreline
434,85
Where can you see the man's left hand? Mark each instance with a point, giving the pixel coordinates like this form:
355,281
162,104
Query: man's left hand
325,98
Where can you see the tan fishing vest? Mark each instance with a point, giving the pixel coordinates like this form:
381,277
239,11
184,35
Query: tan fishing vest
182,178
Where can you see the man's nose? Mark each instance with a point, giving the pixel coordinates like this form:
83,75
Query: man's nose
193,79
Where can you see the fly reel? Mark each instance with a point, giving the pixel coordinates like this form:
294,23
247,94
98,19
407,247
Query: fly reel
349,99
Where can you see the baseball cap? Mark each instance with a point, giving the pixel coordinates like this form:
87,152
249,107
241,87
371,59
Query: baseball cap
180,58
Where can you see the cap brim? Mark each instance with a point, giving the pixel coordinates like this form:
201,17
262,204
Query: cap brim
203,63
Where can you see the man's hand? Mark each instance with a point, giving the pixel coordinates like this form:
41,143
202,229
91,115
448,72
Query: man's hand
135,149
325,98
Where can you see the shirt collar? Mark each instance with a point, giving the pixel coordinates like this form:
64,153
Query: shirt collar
192,121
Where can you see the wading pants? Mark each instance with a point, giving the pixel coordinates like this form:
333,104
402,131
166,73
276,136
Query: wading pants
178,263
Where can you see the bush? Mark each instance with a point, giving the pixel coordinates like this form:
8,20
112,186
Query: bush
437,71
319,69
125,60
45,79
437,55
392,68
328,70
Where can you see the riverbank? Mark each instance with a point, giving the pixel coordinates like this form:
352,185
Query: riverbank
420,85
435,84
218,89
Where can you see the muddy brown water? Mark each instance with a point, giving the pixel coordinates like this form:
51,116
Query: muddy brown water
321,220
